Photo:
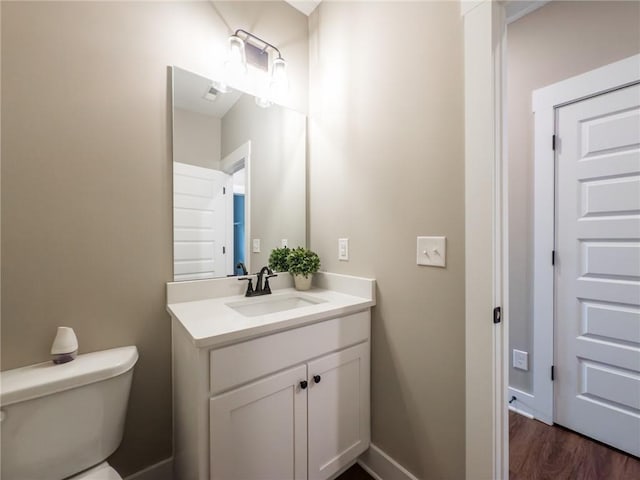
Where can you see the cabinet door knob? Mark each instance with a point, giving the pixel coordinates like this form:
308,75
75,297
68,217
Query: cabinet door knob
303,384
317,378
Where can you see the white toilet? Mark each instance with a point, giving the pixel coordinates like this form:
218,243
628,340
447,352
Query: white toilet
62,421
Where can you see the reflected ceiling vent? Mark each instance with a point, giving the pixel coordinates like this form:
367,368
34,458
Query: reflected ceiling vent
212,93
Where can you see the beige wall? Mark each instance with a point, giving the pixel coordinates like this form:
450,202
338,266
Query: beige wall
86,177
562,39
277,195
196,139
386,165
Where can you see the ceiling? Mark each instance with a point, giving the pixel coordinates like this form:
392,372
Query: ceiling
305,6
189,90
516,9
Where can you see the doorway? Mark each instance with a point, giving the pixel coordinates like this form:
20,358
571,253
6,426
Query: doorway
238,165
239,224
489,211
538,270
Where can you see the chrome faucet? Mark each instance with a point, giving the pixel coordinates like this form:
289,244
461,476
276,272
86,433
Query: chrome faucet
265,274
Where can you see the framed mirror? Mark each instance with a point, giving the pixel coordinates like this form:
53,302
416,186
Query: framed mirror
239,179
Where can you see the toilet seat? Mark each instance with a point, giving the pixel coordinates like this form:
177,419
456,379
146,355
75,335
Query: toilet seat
104,471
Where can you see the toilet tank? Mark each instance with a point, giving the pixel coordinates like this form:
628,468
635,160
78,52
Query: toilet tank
57,420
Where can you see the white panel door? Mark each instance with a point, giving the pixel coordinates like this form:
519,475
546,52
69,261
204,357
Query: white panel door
339,428
597,353
202,200
259,432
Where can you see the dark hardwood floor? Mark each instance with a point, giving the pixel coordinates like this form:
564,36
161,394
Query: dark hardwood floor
355,473
539,452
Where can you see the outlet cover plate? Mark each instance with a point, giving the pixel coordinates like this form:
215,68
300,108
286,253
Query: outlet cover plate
343,249
432,251
520,360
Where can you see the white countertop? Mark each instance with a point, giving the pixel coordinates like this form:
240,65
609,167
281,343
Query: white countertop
211,322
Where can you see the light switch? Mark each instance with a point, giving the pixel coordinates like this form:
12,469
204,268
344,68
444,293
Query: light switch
256,245
343,249
284,243
432,251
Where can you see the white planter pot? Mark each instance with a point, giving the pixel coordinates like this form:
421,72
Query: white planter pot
301,282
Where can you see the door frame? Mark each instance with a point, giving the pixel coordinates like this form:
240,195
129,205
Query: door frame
486,265
545,102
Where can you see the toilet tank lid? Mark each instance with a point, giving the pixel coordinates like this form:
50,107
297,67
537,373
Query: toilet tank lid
46,378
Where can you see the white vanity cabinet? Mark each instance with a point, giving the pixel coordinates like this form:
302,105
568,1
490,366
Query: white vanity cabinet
337,410
260,430
288,405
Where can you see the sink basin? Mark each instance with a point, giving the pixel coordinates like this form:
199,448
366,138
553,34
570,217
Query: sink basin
252,307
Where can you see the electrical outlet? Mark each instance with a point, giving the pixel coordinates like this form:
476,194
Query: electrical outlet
284,243
520,360
256,245
343,249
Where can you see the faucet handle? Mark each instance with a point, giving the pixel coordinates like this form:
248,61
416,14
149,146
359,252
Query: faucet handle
267,287
249,286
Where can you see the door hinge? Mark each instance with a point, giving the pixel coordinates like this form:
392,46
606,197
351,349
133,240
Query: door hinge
553,142
224,190
497,315
553,257
224,250
553,373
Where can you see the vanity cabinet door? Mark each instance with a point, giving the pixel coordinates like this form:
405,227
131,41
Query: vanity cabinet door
259,431
338,403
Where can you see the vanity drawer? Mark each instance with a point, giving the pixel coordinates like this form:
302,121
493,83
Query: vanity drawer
243,362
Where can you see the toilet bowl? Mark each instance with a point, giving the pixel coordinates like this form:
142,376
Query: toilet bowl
64,420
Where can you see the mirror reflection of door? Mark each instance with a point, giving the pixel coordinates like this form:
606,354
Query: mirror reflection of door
201,202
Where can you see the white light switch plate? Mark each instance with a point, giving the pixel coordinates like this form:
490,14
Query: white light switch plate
432,251
284,243
256,245
343,249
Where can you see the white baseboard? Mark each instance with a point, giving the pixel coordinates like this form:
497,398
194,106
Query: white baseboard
521,412
525,405
160,471
382,467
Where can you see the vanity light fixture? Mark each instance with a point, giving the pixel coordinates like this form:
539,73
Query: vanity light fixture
245,47
236,64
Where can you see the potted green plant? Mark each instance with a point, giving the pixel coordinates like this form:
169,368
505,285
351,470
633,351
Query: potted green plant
278,259
303,263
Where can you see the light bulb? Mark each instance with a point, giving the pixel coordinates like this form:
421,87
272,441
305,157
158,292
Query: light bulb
279,80
263,102
220,86
236,64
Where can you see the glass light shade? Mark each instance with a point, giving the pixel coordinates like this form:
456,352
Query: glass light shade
236,64
263,102
279,80
220,86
